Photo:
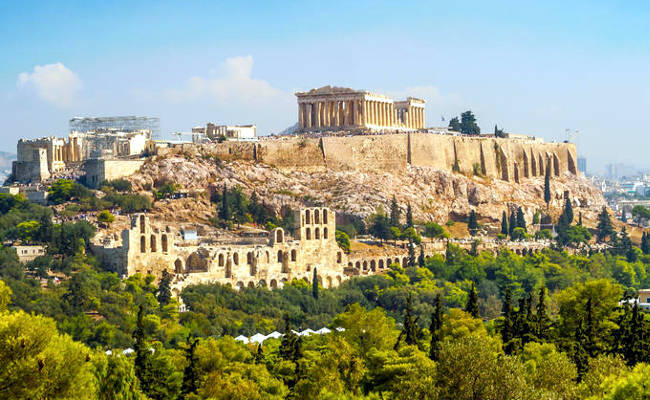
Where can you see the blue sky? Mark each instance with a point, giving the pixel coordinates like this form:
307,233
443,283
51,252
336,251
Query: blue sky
531,68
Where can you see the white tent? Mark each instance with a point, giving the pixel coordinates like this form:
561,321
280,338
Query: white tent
242,338
128,351
257,338
340,329
274,335
323,331
307,332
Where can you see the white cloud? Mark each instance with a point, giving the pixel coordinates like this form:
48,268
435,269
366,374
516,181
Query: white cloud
233,83
54,83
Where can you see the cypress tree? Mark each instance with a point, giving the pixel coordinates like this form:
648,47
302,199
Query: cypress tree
436,329
645,243
580,218
472,223
568,208
191,374
291,344
521,221
259,355
504,224
225,212
421,259
409,216
590,330
512,223
142,353
604,227
314,284
547,187
508,323
412,259
580,358
542,320
394,212
164,289
627,248
411,329
472,303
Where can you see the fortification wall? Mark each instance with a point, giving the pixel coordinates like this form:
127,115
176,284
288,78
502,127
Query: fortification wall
506,159
98,171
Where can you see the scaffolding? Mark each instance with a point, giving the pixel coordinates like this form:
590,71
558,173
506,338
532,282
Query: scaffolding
120,124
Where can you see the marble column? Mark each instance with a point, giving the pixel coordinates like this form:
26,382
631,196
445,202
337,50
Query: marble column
309,111
318,114
301,109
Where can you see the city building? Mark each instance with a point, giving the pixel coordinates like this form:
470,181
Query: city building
228,132
582,165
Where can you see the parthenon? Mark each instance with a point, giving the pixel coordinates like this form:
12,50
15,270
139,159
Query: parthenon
336,108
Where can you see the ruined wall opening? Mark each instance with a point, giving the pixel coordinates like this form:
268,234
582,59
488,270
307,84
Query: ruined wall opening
293,255
329,282
279,256
316,234
153,244
274,284
251,284
381,264
365,265
308,234
307,217
316,217
571,164
279,237
325,216
221,260
178,266
249,258
143,244
142,225
324,233
197,261
235,258
357,265
163,243
373,266
338,257
268,257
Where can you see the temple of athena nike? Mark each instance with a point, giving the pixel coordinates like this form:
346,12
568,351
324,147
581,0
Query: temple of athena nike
334,108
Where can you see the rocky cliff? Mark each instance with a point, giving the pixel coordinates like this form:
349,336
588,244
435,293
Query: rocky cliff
435,194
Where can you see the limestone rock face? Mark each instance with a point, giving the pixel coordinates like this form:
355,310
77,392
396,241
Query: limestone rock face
435,195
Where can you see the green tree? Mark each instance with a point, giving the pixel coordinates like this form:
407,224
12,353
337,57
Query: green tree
472,224
225,212
410,330
434,231
568,209
191,374
421,258
394,212
27,230
436,329
291,345
468,124
504,224
472,303
454,124
512,223
116,378
380,227
314,284
604,228
547,187
542,320
409,216
105,218
164,289
343,240
640,213
521,220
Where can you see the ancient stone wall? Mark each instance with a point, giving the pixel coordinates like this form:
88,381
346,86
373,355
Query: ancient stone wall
506,159
99,170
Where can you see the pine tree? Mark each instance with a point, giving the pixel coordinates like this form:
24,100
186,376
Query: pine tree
164,289
590,330
436,329
314,284
604,227
472,303
568,208
142,354
409,216
645,243
394,212
472,223
504,224
521,220
547,187
191,374
225,212
421,259
512,223
627,248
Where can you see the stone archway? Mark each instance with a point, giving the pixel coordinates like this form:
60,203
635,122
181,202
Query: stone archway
178,266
